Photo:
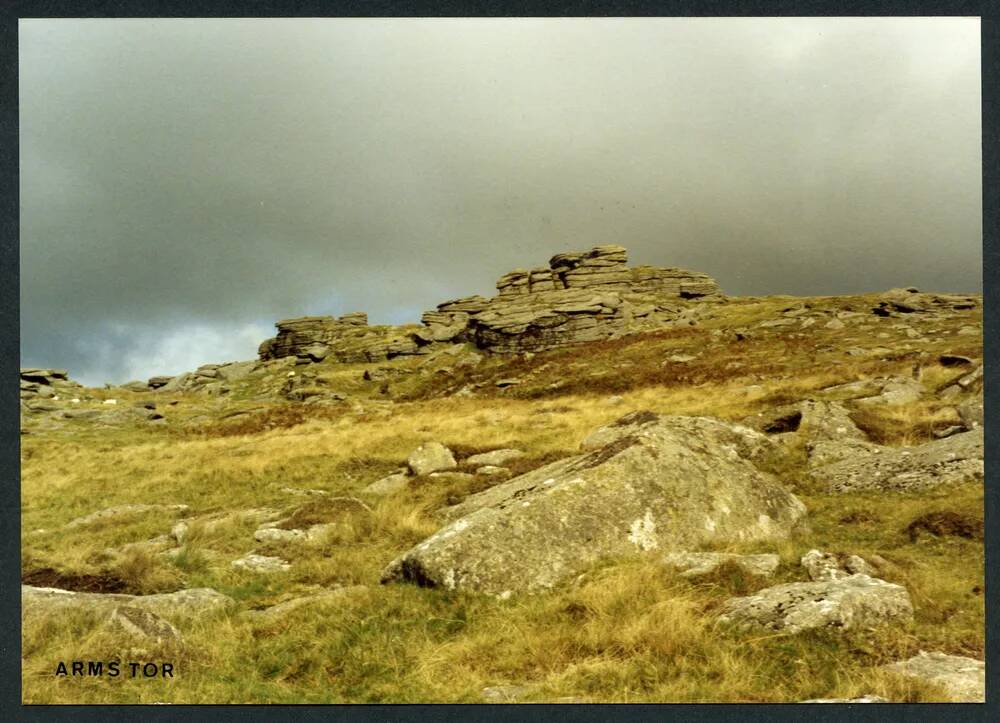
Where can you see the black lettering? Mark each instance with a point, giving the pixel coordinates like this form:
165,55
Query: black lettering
145,670
168,670
95,667
77,667
134,667
113,669
61,669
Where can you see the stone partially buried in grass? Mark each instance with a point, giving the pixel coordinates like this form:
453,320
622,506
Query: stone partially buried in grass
849,603
699,564
964,679
674,484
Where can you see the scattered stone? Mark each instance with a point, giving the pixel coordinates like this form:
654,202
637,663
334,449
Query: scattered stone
952,430
823,566
698,564
835,324
964,679
430,457
261,563
679,483
507,382
849,603
387,485
497,457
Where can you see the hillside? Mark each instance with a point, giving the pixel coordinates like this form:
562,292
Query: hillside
303,468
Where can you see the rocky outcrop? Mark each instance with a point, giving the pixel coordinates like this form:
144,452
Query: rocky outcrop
580,297
673,485
347,339
913,301
39,383
846,467
848,603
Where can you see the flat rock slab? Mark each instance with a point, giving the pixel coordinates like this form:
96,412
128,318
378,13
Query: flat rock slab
674,484
958,458
855,602
141,624
261,563
698,564
387,485
112,513
963,678
193,602
496,457
282,609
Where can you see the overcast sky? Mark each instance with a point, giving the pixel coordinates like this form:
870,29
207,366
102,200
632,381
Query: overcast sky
185,183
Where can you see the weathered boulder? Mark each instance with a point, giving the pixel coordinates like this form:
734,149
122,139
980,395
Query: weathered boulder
698,564
388,485
964,679
192,602
430,457
849,603
669,486
958,458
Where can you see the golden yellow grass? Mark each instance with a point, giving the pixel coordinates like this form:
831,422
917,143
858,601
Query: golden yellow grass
628,631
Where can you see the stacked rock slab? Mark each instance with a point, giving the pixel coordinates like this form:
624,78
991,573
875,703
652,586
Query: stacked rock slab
38,383
346,339
580,297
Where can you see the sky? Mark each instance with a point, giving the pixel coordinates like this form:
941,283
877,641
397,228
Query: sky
187,182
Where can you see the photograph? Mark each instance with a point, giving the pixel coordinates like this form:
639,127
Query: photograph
500,360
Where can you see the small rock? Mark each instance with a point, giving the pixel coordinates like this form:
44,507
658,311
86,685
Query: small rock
827,566
430,457
505,693
834,324
507,382
490,470
496,457
261,563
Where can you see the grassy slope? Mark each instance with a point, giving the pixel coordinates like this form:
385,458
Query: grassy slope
628,631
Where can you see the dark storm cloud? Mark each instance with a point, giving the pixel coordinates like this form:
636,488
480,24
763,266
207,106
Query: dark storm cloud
184,183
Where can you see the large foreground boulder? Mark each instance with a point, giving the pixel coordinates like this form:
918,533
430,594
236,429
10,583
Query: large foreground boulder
854,602
859,466
673,484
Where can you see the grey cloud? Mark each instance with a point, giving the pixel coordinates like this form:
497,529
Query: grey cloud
183,179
